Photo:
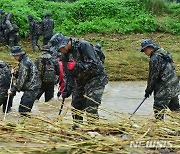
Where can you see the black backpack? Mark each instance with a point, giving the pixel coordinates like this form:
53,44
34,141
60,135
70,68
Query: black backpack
49,73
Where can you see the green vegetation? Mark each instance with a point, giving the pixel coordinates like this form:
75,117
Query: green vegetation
102,16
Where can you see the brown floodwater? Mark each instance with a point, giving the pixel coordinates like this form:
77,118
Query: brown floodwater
118,98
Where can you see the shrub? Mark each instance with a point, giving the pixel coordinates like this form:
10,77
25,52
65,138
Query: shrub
156,6
102,16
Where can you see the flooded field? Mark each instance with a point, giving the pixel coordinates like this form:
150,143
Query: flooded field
119,97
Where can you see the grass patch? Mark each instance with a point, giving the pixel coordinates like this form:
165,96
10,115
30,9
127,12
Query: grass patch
123,59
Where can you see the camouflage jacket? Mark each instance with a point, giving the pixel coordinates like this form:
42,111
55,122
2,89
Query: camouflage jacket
27,78
40,65
47,27
5,78
162,76
88,65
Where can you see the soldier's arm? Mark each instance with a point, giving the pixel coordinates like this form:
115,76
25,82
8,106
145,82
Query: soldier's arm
154,73
22,77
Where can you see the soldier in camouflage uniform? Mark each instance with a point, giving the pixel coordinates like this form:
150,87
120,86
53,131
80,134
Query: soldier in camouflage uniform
26,80
47,87
33,33
47,28
11,31
5,80
1,28
88,72
3,25
162,79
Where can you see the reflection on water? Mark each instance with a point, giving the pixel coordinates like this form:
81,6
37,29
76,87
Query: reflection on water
118,97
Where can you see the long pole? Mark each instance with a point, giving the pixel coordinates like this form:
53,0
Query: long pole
61,106
138,107
8,98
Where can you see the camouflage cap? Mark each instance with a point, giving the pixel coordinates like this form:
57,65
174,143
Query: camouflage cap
30,17
47,14
146,43
16,50
58,41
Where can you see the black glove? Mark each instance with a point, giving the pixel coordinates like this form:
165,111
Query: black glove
147,93
58,94
13,90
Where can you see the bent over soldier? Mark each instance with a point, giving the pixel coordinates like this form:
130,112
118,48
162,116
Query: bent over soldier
5,81
26,79
162,79
11,31
88,72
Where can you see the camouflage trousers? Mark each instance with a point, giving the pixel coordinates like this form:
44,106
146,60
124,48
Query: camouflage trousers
160,105
13,39
27,101
48,90
35,43
1,37
87,99
3,101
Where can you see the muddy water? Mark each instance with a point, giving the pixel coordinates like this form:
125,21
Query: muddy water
118,97
125,97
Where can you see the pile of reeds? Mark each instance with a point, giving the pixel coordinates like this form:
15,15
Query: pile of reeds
40,134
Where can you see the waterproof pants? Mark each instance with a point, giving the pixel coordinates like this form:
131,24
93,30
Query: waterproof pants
3,101
48,90
87,98
35,44
160,105
27,101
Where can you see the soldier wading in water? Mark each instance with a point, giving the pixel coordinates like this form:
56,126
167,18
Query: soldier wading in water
26,80
5,81
88,72
162,79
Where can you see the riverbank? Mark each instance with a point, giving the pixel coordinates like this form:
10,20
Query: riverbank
123,61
